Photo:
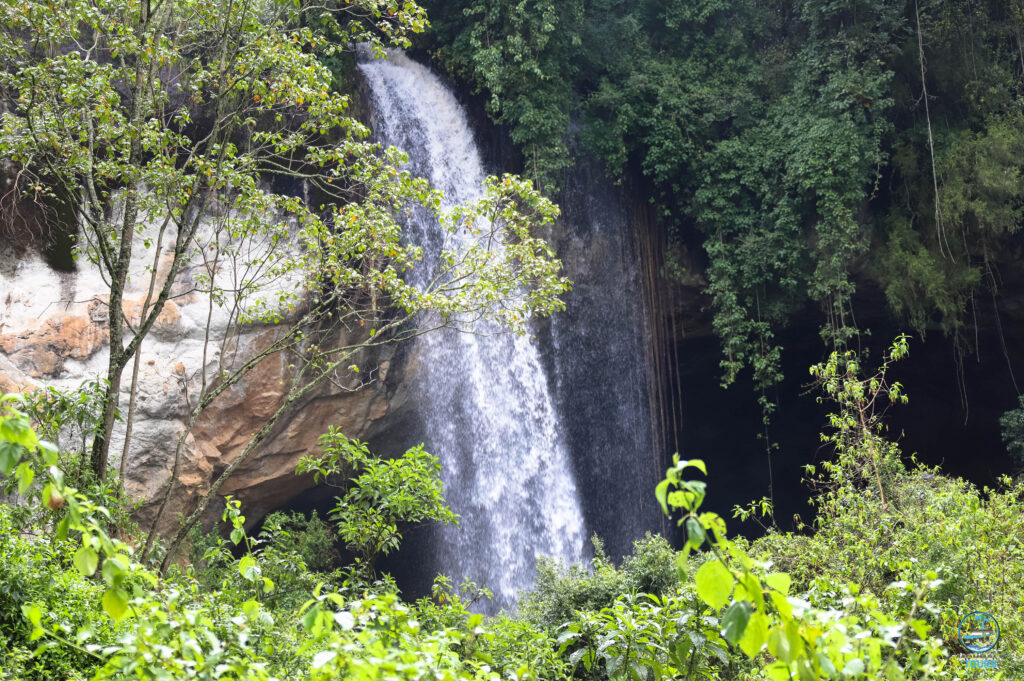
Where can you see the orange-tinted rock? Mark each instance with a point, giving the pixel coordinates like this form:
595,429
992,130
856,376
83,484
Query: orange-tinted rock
42,351
168,319
53,331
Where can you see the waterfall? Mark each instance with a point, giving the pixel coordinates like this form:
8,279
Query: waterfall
483,398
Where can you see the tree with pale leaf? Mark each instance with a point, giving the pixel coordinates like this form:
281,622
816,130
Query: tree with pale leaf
165,123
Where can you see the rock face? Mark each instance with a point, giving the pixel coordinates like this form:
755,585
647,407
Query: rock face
606,389
53,332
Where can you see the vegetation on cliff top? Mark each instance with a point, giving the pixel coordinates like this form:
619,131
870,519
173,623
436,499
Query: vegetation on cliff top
813,147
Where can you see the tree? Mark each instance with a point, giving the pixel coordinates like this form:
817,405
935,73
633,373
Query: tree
157,113
167,120
383,495
521,57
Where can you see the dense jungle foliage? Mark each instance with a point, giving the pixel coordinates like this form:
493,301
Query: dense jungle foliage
813,148
875,589
800,138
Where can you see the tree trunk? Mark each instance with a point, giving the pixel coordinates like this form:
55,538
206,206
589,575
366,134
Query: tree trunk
119,276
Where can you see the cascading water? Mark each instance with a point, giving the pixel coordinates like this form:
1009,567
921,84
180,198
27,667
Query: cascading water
483,398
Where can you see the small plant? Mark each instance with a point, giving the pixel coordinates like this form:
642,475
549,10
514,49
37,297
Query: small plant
383,497
563,590
858,424
1012,423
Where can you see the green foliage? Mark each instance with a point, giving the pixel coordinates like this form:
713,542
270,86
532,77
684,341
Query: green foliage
74,604
41,572
383,495
67,419
75,414
920,284
562,590
861,450
843,632
781,196
926,524
645,637
1012,423
791,137
520,55
880,523
309,537
898,555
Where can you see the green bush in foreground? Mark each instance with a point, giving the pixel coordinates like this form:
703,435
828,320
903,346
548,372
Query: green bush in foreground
898,555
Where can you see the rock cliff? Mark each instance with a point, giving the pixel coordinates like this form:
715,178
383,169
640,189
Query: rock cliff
53,332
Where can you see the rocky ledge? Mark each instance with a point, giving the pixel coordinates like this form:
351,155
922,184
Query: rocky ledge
54,332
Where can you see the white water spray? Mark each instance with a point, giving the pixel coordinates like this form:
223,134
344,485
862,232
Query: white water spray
484,399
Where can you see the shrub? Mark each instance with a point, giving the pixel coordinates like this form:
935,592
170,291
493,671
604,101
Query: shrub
35,569
562,590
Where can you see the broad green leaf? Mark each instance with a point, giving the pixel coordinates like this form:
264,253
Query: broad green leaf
50,495
248,568
576,656
33,613
713,523
826,665
755,635
661,492
714,583
694,533
86,560
345,620
310,617
25,477
613,664
566,636
781,604
115,603
49,452
735,620
875,652
854,667
779,581
61,531
751,586
18,431
778,671
251,609
778,645
323,657
796,643
114,570
693,463
682,562
10,455
920,628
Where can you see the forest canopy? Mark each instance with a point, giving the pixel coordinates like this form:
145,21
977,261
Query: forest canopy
814,148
